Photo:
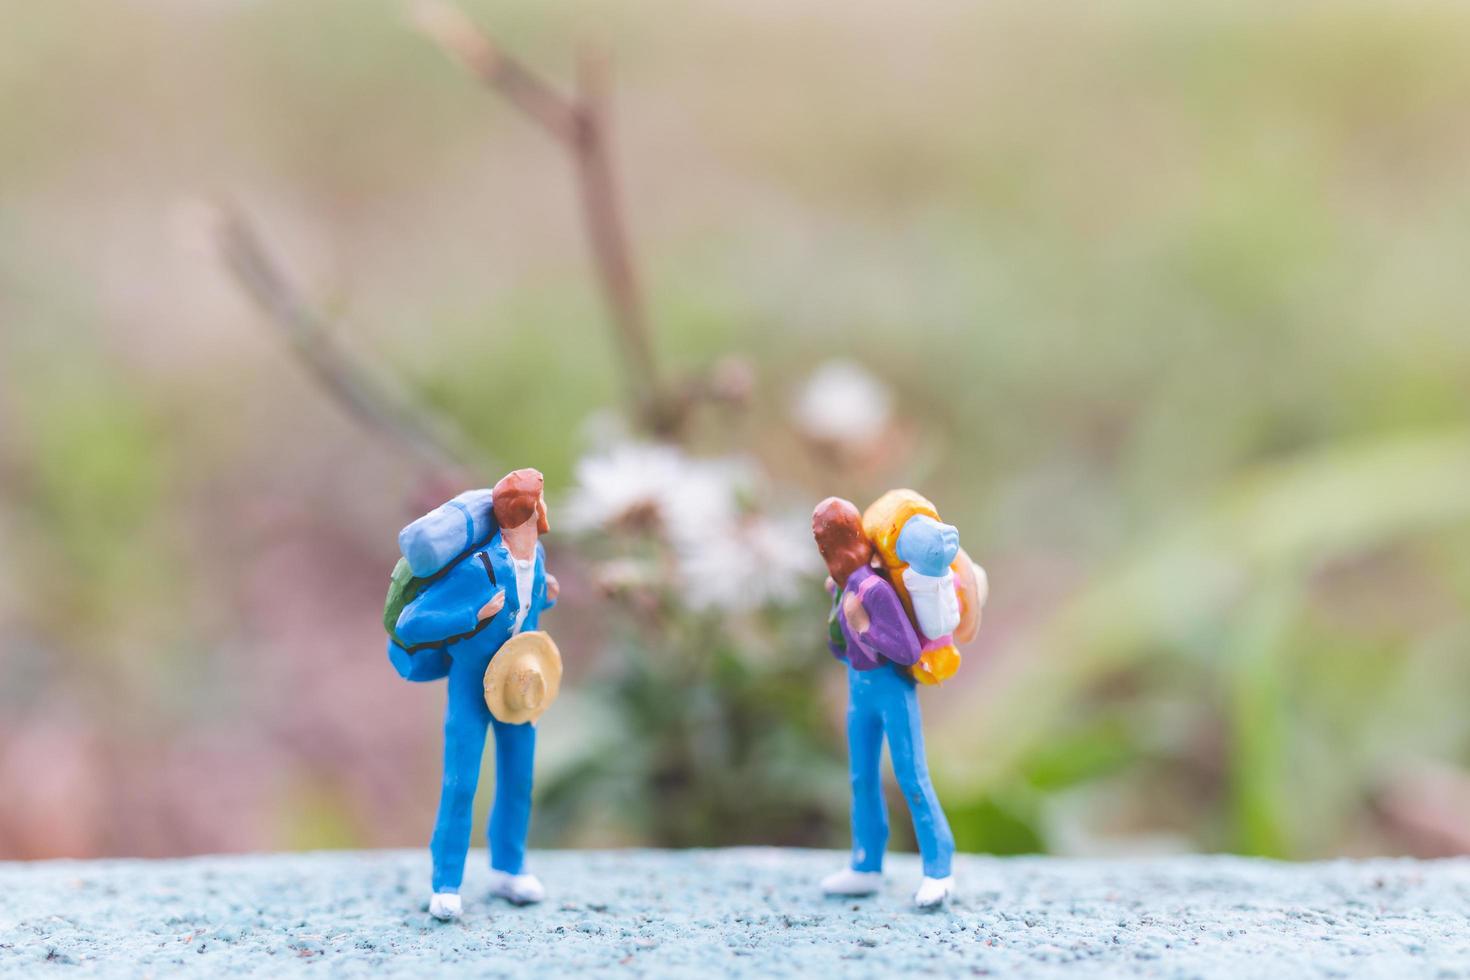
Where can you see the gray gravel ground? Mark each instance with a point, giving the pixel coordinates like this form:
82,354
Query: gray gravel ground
749,912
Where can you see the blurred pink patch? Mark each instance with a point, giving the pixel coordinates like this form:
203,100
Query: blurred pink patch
52,782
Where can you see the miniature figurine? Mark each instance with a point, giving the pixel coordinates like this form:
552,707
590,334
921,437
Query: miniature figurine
465,603
871,630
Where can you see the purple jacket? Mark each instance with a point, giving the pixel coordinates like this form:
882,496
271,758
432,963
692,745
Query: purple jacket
889,636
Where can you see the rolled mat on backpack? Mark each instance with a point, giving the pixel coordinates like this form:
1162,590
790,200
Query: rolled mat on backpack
447,531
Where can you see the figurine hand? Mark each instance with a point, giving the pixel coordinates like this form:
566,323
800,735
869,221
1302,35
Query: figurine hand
553,587
491,608
857,616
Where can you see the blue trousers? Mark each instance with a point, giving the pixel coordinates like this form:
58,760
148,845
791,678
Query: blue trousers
465,723
882,702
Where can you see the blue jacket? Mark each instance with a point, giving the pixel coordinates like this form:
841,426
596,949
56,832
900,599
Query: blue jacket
446,612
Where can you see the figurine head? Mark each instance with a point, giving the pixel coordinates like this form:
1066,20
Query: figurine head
838,527
518,499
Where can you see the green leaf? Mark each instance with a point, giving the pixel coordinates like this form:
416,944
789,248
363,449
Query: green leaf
997,824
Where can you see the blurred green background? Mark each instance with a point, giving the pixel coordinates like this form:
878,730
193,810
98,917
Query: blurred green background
1166,302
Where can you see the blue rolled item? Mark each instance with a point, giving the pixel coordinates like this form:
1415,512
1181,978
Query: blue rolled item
447,531
928,545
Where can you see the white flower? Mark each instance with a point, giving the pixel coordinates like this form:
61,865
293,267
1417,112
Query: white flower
627,484
844,404
623,575
727,555
709,498
752,562
658,487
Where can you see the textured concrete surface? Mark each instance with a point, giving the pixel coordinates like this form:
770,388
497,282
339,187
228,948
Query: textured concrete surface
738,912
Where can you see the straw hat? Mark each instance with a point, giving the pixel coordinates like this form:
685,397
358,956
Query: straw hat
523,678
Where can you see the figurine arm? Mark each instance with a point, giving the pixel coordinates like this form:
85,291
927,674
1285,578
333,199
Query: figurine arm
551,590
889,632
448,608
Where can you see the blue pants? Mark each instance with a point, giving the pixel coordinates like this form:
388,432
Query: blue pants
883,702
464,744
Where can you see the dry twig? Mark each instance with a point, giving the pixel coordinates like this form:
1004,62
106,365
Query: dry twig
581,125
441,446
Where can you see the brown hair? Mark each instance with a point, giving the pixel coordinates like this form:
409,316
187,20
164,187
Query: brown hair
838,527
518,498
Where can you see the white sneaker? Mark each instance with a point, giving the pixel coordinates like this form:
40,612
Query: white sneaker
850,882
445,906
522,889
933,891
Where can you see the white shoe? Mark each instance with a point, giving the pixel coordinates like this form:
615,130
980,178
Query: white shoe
933,891
850,882
522,889
445,906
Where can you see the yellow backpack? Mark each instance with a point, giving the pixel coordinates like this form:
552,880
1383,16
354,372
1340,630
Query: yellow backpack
882,522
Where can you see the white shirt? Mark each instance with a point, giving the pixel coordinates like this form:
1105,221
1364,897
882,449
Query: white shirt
525,579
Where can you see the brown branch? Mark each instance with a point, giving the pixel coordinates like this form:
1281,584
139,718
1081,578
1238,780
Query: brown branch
440,446
465,42
580,125
608,237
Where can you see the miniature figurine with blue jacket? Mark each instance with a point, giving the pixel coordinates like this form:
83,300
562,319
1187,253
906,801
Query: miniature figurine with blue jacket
465,604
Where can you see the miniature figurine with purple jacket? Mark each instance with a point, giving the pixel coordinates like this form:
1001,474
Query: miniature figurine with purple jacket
871,630
464,604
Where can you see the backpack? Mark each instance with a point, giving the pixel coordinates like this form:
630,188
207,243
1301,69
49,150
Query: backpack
431,546
834,625
403,587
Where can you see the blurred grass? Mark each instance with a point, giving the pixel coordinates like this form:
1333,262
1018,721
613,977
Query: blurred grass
1218,587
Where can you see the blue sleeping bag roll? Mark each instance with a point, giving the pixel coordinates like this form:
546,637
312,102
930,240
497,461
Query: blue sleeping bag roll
447,531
